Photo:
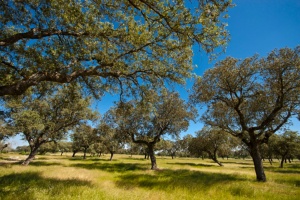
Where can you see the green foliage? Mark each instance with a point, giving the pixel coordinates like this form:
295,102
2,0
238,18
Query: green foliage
152,118
285,146
105,45
83,137
212,141
44,119
252,98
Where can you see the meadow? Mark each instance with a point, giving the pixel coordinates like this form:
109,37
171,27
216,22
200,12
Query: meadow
63,177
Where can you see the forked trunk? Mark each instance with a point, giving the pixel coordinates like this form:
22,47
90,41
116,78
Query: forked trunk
258,164
214,158
218,162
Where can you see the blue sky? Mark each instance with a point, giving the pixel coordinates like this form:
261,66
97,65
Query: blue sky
255,26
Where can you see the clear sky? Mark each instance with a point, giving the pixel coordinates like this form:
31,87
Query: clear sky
255,26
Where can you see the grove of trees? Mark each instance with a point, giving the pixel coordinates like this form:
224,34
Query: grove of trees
58,57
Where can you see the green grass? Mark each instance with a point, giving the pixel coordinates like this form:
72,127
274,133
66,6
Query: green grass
63,177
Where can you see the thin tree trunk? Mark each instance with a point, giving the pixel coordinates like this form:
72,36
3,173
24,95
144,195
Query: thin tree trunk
74,152
215,159
111,155
258,164
270,161
84,153
283,158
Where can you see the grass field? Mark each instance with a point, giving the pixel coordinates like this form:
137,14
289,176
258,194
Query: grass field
63,177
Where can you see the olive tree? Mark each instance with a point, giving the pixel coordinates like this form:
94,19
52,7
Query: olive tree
82,138
105,45
147,121
109,138
286,145
251,98
44,119
211,141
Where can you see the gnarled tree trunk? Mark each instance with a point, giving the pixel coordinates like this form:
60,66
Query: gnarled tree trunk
258,164
152,157
31,156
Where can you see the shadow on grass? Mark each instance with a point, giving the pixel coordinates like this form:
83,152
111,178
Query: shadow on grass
194,164
139,159
170,180
28,186
112,167
42,163
238,163
286,170
32,163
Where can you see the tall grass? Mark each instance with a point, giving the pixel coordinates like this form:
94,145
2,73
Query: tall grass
63,177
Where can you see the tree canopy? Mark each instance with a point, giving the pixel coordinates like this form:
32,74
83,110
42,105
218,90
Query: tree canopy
104,45
251,98
147,121
44,119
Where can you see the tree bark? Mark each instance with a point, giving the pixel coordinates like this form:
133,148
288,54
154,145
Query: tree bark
258,164
31,156
152,157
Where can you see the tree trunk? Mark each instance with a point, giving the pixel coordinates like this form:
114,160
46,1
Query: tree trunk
111,155
61,153
283,158
30,156
74,152
258,164
84,153
215,159
152,157
270,161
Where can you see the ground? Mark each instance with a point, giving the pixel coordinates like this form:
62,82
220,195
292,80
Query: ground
63,177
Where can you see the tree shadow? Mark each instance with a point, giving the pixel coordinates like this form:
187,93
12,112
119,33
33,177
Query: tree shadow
238,163
112,167
194,164
138,159
42,163
169,180
27,185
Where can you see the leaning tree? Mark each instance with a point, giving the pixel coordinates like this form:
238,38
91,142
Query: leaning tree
105,45
147,121
251,98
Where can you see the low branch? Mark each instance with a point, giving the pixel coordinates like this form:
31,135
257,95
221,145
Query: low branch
38,34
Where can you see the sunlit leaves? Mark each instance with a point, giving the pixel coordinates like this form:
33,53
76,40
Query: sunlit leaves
254,94
120,44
